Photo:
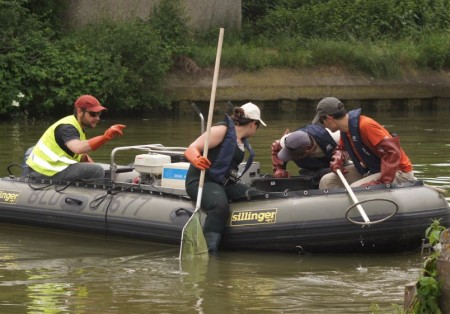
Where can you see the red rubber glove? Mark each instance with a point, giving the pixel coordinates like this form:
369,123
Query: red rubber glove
281,173
371,183
337,161
278,166
391,152
113,131
197,160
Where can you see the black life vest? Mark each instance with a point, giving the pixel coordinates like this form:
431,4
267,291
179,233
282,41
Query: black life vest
372,162
326,143
226,157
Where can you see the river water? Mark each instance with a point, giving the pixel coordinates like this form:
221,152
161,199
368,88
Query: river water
54,271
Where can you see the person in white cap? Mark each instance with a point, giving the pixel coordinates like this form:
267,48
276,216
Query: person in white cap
377,155
310,148
226,150
61,152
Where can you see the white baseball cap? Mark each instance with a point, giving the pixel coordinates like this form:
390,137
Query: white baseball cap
252,111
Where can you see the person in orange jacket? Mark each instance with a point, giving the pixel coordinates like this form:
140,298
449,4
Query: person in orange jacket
61,152
376,155
226,150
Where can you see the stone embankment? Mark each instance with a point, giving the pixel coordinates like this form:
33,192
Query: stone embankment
290,88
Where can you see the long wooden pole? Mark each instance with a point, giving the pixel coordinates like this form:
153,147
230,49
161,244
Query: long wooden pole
208,131
210,115
353,196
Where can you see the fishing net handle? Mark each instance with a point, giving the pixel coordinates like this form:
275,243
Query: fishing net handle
372,222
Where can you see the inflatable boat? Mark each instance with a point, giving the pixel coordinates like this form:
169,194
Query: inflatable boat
147,200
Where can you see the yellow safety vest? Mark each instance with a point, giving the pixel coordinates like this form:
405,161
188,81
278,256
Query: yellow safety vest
47,157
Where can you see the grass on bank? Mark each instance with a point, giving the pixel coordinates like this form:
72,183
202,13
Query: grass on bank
380,59
125,64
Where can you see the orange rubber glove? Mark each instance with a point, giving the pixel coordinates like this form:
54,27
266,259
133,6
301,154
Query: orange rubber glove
197,160
113,131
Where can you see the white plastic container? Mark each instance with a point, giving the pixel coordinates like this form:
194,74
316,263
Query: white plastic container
150,163
174,175
252,173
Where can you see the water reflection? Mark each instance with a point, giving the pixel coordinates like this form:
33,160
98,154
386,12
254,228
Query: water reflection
53,271
49,271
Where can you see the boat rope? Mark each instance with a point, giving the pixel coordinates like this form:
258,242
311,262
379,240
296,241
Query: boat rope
95,203
9,167
36,188
76,182
48,183
437,189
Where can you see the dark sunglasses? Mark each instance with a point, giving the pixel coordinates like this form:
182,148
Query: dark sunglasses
94,114
257,123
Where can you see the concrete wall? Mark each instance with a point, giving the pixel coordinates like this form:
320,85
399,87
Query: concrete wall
202,14
291,89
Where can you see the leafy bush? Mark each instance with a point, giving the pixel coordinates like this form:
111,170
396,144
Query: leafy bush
426,299
124,65
24,43
361,20
434,51
127,64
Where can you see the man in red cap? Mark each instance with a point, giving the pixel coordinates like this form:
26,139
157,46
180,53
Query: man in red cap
61,152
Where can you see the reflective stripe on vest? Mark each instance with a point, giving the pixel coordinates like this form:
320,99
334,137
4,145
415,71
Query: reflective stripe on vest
47,157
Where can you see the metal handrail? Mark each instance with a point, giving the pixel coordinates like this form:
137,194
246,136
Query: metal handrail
149,148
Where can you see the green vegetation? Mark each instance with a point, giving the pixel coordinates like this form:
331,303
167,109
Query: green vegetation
428,289
125,64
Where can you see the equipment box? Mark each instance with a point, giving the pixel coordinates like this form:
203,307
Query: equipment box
174,175
150,163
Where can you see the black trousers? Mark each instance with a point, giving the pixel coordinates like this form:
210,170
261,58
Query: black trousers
215,198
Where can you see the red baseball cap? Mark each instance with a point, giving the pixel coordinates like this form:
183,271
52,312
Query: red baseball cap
89,103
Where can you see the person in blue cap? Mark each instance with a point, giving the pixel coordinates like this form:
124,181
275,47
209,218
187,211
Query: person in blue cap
310,148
